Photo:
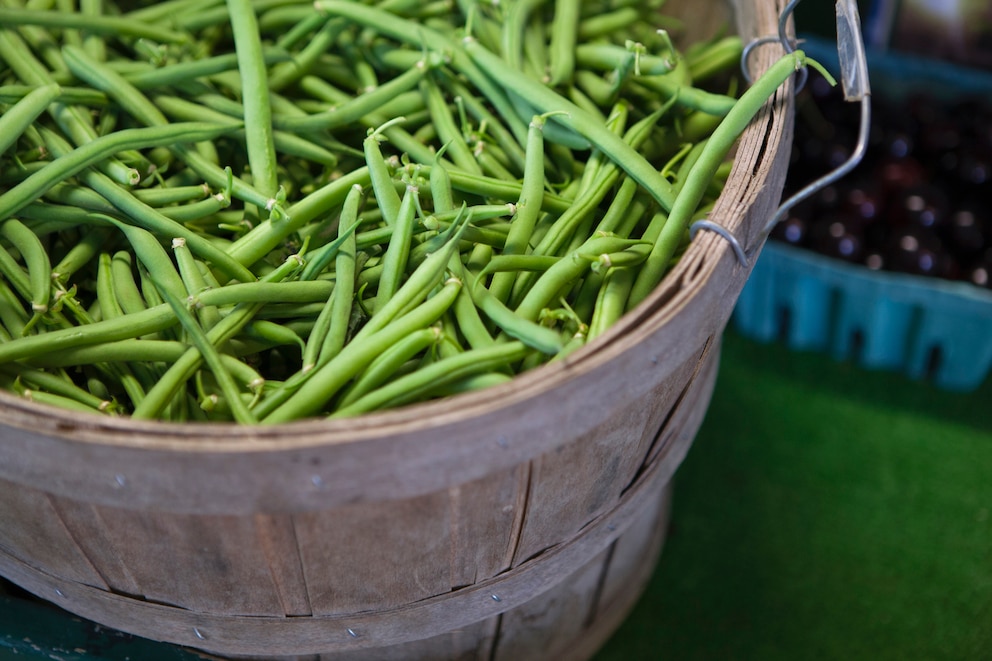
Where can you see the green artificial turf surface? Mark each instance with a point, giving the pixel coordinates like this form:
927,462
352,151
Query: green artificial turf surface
823,512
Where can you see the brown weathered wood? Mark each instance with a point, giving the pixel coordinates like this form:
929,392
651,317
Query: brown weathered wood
373,556
632,562
267,636
634,556
208,564
32,529
88,530
544,626
491,508
276,536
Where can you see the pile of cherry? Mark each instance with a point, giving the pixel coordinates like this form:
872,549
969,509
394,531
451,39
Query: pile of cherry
919,202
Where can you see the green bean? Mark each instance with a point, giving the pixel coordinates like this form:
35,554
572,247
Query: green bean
620,206
444,123
488,162
89,245
442,194
181,72
517,16
437,375
428,38
257,243
93,42
528,208
120,351
697,180
470,323
72,120
514,325
58,385
564,34
565,272
272,334
695,98
14,274
397,254
625,156
423,278
148,218
612,301
713,58
503,136
108,25
382,184
602,25
503,190
17,118
58,401
324,382
35,257
515,263
171,195
210,355
106,297
152,255
266,292
284,142
110,309
359,106
257,107
330,330
535,51
184,367
610,57
82,157
125,288
193,281
386,365
13,319
600,184
347,224
304,24
141,108
188,213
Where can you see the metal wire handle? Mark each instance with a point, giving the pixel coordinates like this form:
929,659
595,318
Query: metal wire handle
854,81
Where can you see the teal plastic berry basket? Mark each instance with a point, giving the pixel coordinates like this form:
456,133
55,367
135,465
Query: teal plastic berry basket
927,328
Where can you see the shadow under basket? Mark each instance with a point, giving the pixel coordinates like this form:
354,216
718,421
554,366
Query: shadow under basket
517,522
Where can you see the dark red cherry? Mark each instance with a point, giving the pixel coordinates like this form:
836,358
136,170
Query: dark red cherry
893,174
793,230
980,272
839,237
974,166
911,250
965,232
924,206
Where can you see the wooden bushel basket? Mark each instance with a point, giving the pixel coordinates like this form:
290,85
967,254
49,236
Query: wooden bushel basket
517,522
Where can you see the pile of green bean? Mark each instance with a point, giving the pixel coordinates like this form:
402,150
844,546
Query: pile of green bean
266,210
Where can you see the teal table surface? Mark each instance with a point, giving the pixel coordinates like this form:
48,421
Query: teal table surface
823,512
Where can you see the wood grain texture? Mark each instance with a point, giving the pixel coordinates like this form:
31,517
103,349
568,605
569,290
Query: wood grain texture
372,630
31,528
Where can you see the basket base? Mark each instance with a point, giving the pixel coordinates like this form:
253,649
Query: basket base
564,603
